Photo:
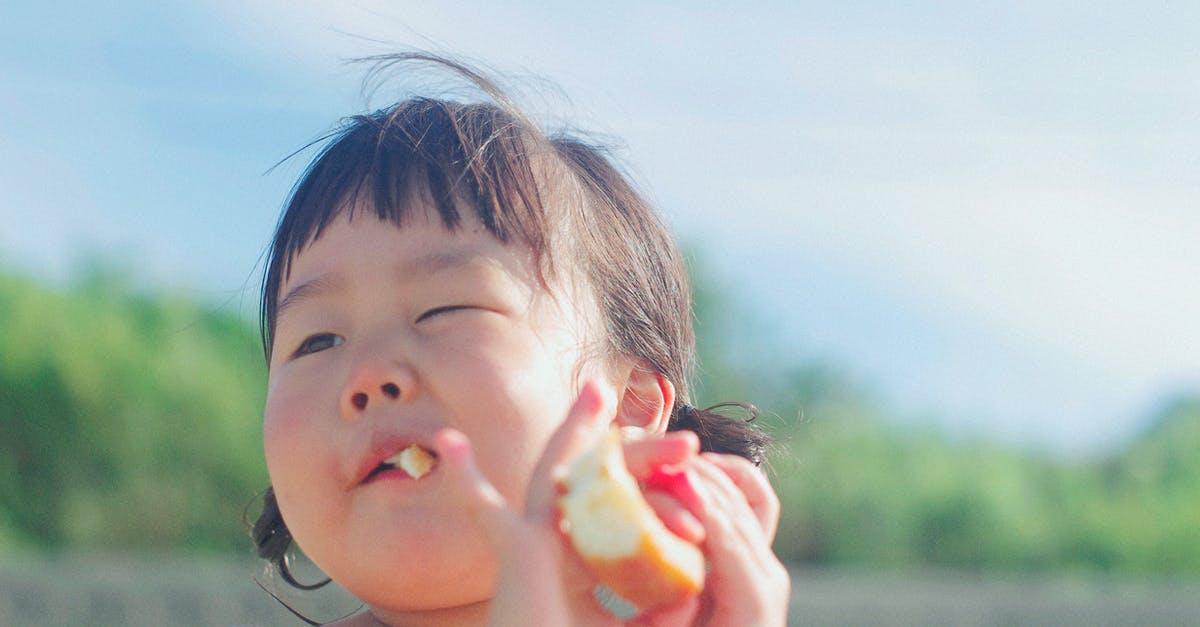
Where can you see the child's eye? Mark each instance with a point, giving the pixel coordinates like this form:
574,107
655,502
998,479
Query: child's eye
317,343
437,311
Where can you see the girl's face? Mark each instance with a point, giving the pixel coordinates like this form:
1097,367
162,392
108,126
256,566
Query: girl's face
383,336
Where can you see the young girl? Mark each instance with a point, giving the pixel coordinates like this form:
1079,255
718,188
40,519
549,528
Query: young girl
447,276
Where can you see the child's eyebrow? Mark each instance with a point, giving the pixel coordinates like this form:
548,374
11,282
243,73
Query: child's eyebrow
425,265
306,290
438,261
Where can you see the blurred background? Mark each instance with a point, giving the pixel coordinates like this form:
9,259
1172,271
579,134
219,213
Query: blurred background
950,252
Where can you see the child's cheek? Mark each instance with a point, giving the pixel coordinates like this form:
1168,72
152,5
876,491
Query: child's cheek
275,431
284,425
296,462
289,391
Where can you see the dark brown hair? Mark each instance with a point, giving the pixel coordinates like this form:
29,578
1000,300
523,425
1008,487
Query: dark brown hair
489,158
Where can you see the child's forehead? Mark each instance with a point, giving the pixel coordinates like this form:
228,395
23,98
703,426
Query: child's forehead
424,241
420,225
420,244
360,253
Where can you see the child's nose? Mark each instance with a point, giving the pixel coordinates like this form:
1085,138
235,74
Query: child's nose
373,385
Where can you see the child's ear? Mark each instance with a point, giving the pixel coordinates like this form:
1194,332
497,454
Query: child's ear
647,399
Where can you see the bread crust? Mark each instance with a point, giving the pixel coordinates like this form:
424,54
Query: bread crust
620,537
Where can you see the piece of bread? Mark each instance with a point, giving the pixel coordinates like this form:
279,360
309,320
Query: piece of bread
416,461
620,537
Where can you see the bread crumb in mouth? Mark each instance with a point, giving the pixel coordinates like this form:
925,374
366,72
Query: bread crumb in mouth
414,460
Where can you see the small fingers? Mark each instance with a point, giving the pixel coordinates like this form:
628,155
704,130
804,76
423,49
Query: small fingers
724,510
753,484
735,542
643,457
747,584
676,517
456,460
591,411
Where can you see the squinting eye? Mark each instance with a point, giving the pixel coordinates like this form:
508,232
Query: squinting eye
437,311
317,343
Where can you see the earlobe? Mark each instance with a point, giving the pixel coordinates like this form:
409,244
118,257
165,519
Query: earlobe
646,400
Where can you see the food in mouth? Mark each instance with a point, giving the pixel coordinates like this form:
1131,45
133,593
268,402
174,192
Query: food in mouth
413,460
620,537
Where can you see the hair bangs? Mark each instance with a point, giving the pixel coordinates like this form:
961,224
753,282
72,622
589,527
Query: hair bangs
420,154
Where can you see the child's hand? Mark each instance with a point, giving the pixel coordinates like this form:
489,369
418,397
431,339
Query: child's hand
725,504
540,581
746,583
722,502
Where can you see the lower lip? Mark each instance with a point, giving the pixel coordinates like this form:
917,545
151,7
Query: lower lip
395,474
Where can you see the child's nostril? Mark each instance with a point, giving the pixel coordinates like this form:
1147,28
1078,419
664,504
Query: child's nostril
360,400
391,390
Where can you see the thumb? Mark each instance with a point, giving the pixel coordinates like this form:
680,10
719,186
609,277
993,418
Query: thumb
581,428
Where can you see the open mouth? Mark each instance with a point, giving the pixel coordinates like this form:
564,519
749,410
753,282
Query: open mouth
415,461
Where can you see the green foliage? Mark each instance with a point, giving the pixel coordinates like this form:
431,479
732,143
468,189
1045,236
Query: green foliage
859,487
127,420
133,420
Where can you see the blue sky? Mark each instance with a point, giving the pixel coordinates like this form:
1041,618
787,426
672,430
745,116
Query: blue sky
989,213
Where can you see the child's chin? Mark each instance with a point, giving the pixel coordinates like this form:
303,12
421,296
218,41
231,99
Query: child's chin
418,576
432,594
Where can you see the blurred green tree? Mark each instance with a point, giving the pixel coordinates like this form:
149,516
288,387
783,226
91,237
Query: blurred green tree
129,420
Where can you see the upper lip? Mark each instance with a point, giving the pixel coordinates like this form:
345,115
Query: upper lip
381,447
